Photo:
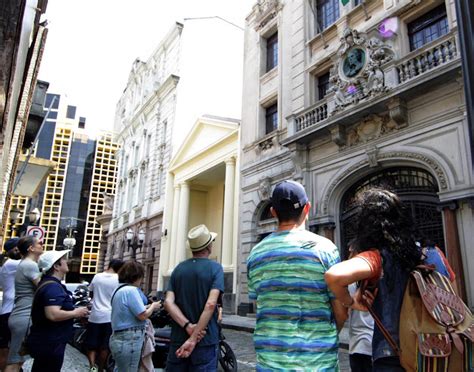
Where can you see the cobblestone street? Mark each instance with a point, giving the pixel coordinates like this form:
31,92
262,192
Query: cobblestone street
241,343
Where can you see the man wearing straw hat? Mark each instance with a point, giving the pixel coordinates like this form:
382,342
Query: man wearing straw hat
191,300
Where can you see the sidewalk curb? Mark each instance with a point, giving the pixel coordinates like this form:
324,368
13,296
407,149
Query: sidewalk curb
238,327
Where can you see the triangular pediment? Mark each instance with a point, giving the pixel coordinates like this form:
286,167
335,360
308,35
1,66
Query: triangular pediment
206,133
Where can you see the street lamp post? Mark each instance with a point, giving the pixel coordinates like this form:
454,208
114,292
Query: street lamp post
135,241
14,216
34,216
70,241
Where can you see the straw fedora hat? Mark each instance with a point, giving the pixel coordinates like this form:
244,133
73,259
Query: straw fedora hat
200,237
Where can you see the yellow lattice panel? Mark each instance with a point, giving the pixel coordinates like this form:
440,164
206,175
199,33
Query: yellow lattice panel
21,203
55,183
103,181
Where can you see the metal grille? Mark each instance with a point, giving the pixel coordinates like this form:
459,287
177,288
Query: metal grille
418,190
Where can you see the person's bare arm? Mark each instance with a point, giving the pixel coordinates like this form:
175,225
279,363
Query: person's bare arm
55,314
175,312
155,306
340,313
339,276
187,348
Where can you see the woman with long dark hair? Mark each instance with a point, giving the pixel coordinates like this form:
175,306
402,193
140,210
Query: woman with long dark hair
386,252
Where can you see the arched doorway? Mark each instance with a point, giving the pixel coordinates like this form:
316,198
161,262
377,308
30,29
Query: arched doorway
266,223
416,187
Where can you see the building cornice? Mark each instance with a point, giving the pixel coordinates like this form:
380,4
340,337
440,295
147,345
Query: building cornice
170,83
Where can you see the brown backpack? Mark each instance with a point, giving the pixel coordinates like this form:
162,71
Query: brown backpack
436,327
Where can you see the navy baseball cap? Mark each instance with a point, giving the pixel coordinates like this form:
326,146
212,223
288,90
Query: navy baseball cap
10,244
292,191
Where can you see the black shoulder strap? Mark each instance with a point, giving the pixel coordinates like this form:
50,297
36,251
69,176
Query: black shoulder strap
119,288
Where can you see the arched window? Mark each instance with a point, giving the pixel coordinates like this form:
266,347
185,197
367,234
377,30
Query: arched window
416,187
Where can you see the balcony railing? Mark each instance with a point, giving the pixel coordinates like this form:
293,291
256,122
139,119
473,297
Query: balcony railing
426,59
417,63
312,116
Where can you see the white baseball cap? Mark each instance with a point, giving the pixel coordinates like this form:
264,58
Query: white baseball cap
49,258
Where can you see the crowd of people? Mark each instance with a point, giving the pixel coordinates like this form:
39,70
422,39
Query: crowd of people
304,295
38,311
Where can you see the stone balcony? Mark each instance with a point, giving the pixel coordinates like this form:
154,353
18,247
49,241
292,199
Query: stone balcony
404,78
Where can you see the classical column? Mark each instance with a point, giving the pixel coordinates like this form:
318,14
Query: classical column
228,223
174,229
183,214
453,247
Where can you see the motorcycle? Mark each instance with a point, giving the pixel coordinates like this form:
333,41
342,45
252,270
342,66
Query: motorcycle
80,298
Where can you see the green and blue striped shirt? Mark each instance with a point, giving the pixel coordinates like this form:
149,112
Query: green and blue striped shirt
295,329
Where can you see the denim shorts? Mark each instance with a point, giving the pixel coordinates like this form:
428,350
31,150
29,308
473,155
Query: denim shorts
202,359
126,347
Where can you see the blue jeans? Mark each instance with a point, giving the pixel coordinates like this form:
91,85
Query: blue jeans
202,359
126,347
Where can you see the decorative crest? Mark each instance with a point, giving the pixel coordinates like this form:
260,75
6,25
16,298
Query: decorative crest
358,72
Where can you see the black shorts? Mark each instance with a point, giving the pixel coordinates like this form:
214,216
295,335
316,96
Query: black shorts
5,334
97,336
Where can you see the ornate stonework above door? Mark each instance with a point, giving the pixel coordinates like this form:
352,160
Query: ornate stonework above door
370,128
357,73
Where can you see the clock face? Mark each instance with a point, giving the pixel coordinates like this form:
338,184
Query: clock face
353,62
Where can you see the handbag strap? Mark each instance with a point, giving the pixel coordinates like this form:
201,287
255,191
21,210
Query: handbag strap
393,344
43,284
118,289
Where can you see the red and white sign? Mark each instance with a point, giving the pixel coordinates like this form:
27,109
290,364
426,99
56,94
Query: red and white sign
36,231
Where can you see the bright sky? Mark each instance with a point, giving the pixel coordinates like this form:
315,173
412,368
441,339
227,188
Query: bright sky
92,44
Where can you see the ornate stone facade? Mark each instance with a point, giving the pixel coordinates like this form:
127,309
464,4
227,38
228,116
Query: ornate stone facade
358,69
388,109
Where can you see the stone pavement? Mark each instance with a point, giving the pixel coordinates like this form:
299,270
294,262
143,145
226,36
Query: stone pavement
238,333
74,361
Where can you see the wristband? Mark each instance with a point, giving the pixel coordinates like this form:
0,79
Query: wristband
186,325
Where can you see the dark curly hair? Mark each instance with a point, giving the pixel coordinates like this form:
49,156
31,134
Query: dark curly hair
382,222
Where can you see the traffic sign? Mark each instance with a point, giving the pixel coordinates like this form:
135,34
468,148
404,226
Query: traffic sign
36,231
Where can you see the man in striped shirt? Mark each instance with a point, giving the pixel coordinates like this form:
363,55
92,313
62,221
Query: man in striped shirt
297,316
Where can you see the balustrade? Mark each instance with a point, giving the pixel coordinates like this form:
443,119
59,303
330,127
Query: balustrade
427,59
311,116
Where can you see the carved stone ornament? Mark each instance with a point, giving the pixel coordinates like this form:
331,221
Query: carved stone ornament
358,73
108,203
266,11
265,144
372,158
370,128
297,159
432,165
264,189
